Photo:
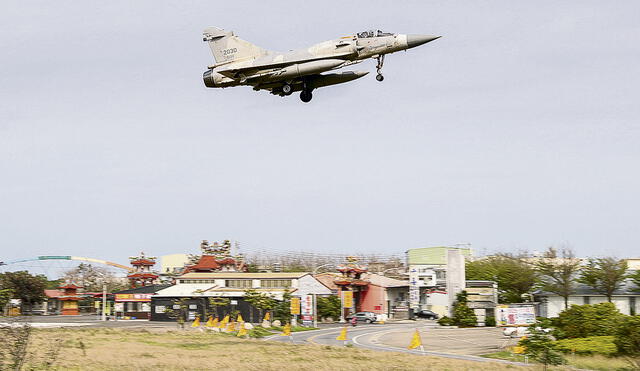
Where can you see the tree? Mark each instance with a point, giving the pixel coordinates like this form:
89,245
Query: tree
558,271
92,278
329,307
514,275
5,296
26,287
259,300
635,278
282,309
218,302
463,316
587,320
605,275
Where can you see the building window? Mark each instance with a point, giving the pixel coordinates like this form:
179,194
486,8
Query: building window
239,284
441,275
275,284
586,300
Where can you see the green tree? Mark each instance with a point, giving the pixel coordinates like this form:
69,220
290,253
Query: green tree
178,311
605,275
217,303
635,278
627,339
463,316
26,287
539,345
558,271
5,296
329,307
259,300
282,309
587,320
513,273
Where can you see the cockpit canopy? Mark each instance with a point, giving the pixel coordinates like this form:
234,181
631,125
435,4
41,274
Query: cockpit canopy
372,33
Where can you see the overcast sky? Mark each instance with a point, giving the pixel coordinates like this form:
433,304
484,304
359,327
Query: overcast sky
519,129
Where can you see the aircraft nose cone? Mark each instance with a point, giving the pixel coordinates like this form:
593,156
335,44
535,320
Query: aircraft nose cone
417,40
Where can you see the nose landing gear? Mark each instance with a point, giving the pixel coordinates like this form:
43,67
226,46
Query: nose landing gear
380,59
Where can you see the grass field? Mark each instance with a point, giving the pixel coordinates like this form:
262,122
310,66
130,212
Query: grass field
117,349
594,362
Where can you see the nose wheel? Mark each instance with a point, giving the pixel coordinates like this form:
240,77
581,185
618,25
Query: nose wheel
380,60
287,89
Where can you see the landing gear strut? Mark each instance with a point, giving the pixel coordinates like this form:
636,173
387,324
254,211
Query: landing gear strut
380,59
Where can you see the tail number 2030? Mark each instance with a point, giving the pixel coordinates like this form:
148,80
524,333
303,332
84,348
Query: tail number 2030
229,51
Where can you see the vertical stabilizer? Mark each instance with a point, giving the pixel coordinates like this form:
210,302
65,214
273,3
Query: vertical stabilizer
226,46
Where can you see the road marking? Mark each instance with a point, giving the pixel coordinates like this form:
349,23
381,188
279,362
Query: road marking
438,354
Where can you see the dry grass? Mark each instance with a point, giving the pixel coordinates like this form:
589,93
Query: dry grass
111,349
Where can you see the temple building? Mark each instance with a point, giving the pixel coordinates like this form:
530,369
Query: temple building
69,298
216,257
142,274
135,303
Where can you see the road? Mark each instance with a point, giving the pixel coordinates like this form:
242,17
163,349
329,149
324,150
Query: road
464,344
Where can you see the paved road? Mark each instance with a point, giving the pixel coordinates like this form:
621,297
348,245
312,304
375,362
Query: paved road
463,344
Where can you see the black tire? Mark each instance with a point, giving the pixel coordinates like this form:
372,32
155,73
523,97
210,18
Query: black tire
306,96
287,89
379,77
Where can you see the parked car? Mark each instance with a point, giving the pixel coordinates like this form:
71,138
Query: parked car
367,317
424,313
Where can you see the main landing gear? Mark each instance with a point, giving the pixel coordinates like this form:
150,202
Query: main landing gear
305,96
380,59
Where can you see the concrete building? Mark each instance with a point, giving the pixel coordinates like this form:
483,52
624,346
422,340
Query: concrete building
627,299
173,263
197,287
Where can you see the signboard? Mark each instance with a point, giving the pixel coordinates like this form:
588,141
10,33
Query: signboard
414,288
306,302
295,305
119,307
515,316
160,308
307,318
133,297
347,299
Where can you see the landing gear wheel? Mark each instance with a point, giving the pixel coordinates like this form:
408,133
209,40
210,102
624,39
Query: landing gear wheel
287,89
306,96
379,77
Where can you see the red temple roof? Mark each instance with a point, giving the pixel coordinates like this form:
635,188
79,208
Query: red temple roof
142,275
143,262
206,263
70,286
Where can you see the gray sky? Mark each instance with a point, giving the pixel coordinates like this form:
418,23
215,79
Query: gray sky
519,129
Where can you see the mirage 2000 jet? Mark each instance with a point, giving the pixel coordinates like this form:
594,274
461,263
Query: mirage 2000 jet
239,62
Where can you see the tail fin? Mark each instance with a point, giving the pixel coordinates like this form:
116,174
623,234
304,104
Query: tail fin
226,47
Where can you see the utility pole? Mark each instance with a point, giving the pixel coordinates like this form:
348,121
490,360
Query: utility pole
104,301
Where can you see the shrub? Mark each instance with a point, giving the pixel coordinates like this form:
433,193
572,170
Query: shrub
581,321
590,345
627,339
540,346
445,321
490,321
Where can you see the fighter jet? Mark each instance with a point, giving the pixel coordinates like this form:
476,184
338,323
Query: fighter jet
238,62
